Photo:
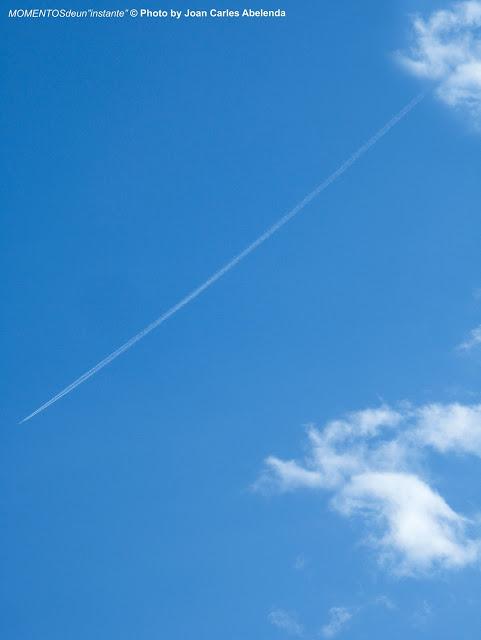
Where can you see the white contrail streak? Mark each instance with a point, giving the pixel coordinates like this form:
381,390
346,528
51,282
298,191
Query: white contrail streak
238,258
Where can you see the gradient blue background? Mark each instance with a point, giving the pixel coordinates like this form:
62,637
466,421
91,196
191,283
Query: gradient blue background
138,156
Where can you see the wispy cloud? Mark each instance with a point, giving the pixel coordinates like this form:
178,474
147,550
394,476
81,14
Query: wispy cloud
421,617
370,461
286,622
472,341
338,619
384,601
446,48
300,562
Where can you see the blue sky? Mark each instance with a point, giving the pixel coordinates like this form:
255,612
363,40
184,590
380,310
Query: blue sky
138,157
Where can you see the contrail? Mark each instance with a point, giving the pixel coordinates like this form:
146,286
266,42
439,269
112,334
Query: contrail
238,258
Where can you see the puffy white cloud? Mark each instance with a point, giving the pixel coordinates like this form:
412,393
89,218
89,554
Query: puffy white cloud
336,453
367,422
338,619
286,622
453,427
446,48
418,530
371,463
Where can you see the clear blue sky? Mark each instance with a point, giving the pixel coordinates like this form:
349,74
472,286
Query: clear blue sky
138,156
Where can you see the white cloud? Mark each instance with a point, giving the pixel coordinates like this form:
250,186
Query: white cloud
290,475
285,621
446,49
473,340
371,463
338,619
417,529
453,427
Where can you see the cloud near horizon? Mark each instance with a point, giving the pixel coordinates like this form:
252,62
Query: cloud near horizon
446,49
371,461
